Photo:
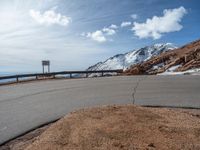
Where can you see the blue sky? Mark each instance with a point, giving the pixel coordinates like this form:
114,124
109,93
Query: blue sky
75,34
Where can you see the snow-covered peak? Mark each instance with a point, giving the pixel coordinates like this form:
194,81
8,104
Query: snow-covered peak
123,61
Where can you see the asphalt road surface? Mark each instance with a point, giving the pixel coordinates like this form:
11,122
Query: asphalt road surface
28,105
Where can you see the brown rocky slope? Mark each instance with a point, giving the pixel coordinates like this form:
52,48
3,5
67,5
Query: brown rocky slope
186,57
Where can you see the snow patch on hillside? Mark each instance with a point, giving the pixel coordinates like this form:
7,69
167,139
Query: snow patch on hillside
124,61
188,72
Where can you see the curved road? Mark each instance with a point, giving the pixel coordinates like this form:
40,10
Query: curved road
26,106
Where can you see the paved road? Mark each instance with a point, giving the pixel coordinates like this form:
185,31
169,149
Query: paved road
25,106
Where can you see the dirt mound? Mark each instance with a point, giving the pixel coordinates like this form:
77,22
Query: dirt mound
122,127
186,57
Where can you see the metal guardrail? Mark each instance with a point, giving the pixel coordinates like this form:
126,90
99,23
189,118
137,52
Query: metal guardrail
70,73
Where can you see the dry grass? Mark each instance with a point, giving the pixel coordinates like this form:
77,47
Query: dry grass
122,127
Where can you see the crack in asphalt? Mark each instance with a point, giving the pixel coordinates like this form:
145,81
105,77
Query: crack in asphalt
136,87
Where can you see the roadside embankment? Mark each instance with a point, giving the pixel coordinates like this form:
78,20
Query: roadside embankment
122,127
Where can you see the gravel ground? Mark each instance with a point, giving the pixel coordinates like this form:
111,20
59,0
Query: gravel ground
116,127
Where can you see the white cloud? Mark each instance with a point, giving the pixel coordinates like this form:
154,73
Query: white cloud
125,24
134,16
113,26
101,35
155,27
109,31
97,36
50,17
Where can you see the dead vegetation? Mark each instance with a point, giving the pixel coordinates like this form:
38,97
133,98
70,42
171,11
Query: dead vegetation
122,127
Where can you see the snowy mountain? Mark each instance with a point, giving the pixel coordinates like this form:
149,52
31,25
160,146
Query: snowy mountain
182,60
124,61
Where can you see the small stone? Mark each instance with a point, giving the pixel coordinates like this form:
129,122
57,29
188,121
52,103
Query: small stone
151,145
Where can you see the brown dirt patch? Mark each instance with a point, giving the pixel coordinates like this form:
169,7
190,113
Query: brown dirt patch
122,127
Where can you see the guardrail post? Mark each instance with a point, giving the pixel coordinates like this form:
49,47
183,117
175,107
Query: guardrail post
102,73
17,78
86,75
36,77
70,75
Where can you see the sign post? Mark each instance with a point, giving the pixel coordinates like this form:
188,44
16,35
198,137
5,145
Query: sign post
45,63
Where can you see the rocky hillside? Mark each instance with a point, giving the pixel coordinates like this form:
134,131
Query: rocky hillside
178,60
124,61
